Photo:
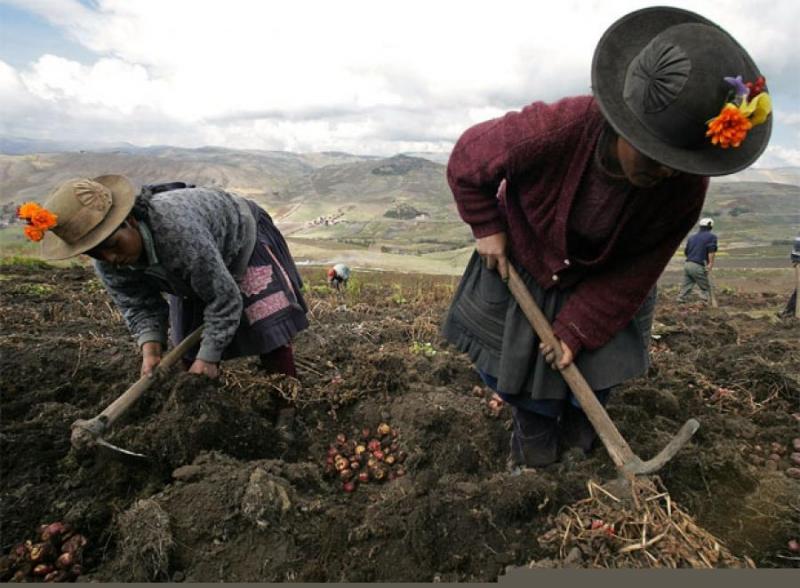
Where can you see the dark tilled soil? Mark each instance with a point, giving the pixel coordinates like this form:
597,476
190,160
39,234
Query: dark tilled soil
223,498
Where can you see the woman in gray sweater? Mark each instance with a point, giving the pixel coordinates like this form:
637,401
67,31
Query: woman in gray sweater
218,257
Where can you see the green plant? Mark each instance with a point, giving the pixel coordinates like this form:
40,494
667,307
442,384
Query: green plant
93,286
420,348
24,261
355,287
35,290
398,297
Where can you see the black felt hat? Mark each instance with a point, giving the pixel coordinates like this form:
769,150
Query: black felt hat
658,76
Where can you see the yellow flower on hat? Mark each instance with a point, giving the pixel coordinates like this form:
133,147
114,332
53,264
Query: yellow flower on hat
757,109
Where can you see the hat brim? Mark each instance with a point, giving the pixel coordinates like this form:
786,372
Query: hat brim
123,197
620,44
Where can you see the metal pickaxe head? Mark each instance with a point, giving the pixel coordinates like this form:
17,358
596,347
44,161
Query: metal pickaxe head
87,434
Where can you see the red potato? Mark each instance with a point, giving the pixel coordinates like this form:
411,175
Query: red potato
41,552
53,530
42,569
794,545
793,473
778,448
795,457
349,486
796,443
74,544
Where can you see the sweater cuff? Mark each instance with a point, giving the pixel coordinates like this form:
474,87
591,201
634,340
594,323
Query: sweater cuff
569,337
209,354
149,336
491,228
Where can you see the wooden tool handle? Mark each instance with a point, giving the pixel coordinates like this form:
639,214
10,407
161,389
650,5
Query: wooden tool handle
797,291
617,447
711,292
132,394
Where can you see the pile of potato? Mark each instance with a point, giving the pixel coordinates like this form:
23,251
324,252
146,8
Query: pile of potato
368,457
56,557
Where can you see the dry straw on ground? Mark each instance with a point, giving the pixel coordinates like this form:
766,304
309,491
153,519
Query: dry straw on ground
647,530
145,541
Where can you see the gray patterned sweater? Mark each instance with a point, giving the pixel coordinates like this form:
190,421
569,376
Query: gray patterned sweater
198,238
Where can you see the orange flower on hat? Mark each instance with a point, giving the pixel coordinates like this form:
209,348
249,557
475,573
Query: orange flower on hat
33,233
43,219
27,210
729,128
39,220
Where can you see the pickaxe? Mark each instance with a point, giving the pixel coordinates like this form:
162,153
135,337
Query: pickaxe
86,434
627,462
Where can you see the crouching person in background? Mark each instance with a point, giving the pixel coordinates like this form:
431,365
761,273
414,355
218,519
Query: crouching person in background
338,276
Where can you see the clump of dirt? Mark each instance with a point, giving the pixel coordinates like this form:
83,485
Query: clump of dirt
145,542
220,497
196,415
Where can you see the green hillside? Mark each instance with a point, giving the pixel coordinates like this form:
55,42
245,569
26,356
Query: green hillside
394,213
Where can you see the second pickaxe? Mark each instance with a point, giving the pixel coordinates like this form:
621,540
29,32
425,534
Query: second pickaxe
626,461
87,433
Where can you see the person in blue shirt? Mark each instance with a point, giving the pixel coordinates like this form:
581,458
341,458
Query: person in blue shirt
700,251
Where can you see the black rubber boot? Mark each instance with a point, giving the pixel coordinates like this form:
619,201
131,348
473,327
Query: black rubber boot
576,430
534,440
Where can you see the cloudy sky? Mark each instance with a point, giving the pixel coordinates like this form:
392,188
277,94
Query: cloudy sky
372,77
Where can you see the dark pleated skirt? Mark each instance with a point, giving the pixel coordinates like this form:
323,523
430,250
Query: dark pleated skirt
274,309
485,321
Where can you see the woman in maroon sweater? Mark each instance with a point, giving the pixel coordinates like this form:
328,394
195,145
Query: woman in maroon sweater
589,198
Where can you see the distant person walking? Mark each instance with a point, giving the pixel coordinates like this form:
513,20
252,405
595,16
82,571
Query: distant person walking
338,276
791,309
701,248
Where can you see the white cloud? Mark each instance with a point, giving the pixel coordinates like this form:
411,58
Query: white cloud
780,156
351,75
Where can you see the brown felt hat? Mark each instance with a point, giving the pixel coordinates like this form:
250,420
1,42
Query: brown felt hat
88,211
658,77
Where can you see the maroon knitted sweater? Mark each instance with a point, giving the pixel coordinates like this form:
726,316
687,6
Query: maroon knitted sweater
543,152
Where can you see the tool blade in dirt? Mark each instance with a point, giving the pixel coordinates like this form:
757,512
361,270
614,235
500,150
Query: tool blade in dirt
628,463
